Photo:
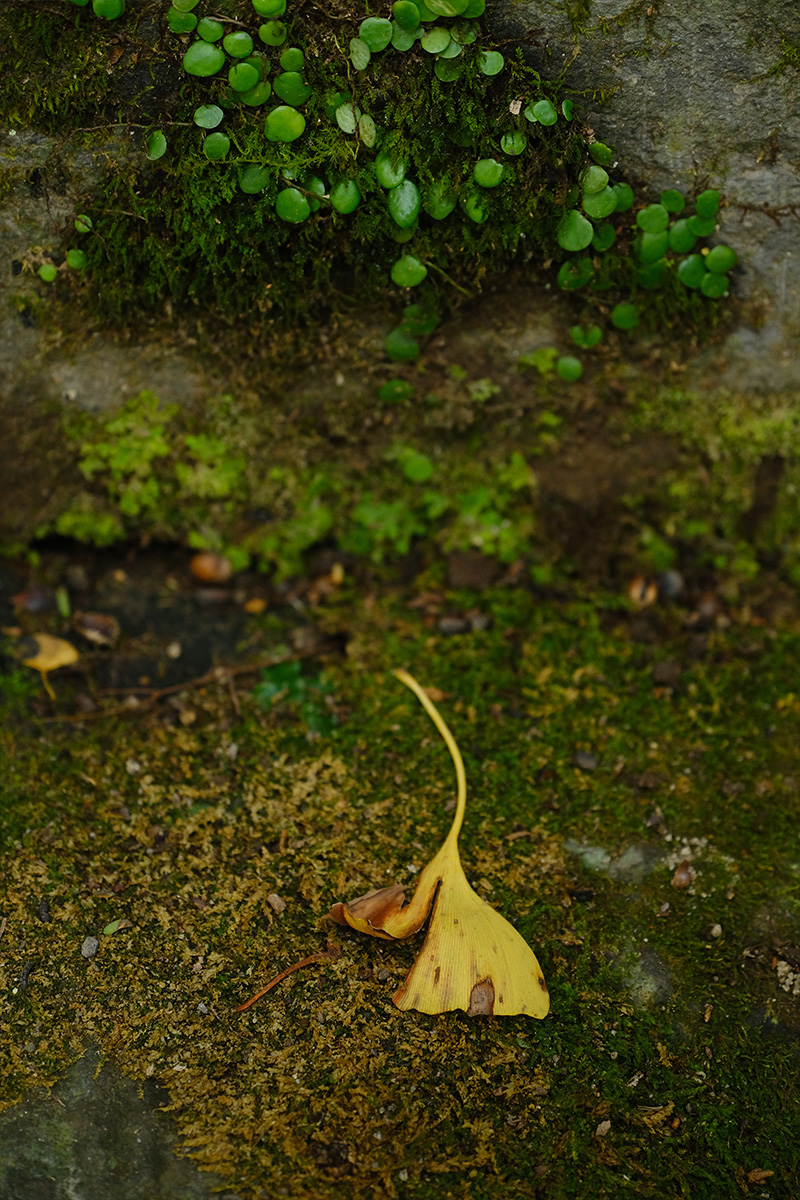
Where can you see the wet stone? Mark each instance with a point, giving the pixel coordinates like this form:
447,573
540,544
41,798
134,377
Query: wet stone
96,1135
90,947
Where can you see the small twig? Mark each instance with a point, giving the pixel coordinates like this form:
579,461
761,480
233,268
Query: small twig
331,952
151,695
3,924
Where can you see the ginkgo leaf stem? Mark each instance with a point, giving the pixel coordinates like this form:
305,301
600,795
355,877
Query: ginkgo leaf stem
450,742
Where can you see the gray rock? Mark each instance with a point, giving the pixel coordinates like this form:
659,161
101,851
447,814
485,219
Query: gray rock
93,1136
701,97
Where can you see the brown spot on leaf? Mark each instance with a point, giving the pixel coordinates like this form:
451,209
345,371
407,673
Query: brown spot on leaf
481,1000
436,975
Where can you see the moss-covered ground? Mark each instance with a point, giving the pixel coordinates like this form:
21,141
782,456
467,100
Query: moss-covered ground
641,739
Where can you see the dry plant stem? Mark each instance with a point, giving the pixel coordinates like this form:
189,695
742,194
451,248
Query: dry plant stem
303,962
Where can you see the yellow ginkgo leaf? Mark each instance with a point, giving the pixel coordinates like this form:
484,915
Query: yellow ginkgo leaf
48,654
472,959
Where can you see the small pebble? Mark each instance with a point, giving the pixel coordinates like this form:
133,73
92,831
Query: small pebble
586,762
276,903
383,975
210,567
90,947
716,931
133,766
683,875
453,625
174,650
670,585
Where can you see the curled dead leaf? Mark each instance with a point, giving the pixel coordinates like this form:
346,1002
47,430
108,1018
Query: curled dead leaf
472,959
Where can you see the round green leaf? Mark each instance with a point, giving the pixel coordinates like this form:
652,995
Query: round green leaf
653,219
624,316
404,203
400,347
624,196
586,338
448,69
491,62
359,53
691,270
402,39
593,179
566,109
216,146
653,246
476,206
345,196
702,226
243,76
602,154
488,172
406,15
209,29
270,8
575,273
673,201
416,467
257,95
110,9
272,33
238,44
376,32
395,390
464,33
367,130
569,368
292,59
447,8
253,179
475,8
451,50
720,259
347,117
405,234
208,116
291,205
604,236
681,238
440,201
47,272
292,88
389,171
83,223
180,22
436,40
203,59
185,5
713,284
574,232
419,321
513,143
544,112
76,259
598,205
315,184
408,271
707,203
156,146
284,124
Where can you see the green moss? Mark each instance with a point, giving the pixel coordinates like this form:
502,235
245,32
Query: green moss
293,1093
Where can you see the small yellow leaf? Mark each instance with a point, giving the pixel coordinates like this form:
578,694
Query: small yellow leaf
472,959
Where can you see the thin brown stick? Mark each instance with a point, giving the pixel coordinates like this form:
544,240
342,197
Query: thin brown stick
304,962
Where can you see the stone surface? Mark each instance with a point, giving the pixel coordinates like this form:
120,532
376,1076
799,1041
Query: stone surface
95,1135
700,97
